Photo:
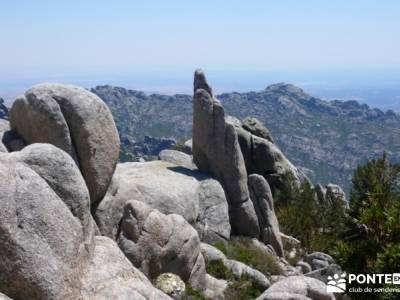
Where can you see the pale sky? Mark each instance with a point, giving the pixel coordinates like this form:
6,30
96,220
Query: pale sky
164,41
185,34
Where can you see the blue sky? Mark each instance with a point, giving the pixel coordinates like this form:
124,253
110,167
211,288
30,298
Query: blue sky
54,39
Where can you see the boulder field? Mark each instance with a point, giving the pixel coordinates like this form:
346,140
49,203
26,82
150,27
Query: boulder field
76,224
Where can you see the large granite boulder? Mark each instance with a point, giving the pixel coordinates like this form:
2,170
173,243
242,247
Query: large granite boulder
255,127
319,260
261,196
74,120
330,195
111,275
215,288
43,246
157,243
297,287
60,172
335,194
263,157
47,246
216,150
171,190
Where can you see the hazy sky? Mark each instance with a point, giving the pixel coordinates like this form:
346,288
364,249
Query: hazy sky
166,40
185,34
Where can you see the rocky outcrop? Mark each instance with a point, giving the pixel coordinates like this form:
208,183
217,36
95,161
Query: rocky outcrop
334,193
157,243
47,246
44,244
261,196
318,260
216,150
297,287
63,177
255,127
215,288
75,121
308,130
264,157
110,275
330,195
171,190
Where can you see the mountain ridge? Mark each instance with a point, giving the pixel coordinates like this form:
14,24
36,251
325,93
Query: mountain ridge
327,138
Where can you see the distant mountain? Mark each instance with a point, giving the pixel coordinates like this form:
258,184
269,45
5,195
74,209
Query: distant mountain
327,139
3,110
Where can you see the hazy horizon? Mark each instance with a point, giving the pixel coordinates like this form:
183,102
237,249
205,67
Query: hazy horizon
342,49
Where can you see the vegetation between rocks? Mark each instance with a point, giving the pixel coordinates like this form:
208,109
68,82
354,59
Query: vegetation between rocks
243,250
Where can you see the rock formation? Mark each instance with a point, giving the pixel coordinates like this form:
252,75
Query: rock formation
42,243
47,245
261,196
157,243
216,150
172,190
330,195
255,127
264,157
75,121
110,275
58,169
299,288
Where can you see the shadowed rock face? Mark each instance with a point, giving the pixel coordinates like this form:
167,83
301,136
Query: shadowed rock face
262,156
264,205
216,150
75,121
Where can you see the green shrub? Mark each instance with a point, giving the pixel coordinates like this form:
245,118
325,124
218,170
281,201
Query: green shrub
317,226
192,294
243,289
243,250
218,270
372,240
